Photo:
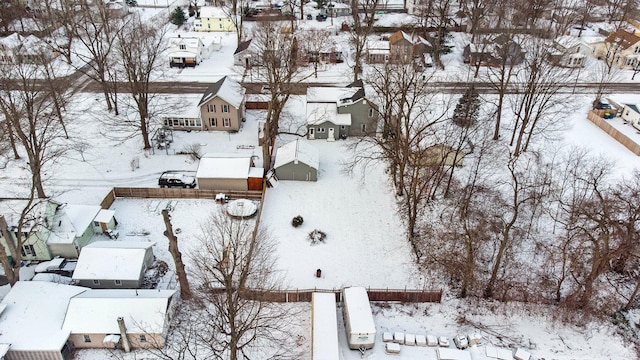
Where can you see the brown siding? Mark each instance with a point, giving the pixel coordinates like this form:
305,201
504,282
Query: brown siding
614,133
168,193
257,105
33,355
230,184
254,183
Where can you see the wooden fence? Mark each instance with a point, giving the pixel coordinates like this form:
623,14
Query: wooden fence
623,139
402,295
173,193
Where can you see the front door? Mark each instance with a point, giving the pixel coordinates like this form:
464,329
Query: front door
311,133
331,136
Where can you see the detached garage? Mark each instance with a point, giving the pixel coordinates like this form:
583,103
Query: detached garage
228,172
297,160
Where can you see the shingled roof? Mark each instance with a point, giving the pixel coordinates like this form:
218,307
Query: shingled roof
622,38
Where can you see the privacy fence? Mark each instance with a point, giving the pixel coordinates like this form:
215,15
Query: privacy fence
401,295
620,137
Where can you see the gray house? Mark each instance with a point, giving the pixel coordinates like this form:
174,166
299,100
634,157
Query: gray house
297,160
113,264
334,112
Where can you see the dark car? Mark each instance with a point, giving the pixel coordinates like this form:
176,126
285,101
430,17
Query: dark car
176,179
601,105
321,17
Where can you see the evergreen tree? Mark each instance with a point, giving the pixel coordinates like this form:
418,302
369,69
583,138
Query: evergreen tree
468,108
177,16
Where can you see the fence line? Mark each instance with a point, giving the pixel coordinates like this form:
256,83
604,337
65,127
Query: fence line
614,133
173,193
304,295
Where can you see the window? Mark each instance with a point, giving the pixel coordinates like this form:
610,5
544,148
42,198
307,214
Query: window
370,112
342,127
226,122
209,26
212,108
183,47
86,338
213,122
118,282
198,123
96,282
311,131
143,338
95,223
28,250
225,108
220,25
320,130
363,127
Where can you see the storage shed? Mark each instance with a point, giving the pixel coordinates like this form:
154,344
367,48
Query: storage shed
297,160
229,172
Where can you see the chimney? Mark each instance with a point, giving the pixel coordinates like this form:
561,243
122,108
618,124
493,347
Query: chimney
123,335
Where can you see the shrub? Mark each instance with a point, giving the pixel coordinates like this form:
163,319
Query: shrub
317,236
297,221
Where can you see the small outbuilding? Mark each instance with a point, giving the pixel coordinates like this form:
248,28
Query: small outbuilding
229,172
114,264
297,160
631,114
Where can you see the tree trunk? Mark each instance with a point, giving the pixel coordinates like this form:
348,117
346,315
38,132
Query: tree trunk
185,290
4,258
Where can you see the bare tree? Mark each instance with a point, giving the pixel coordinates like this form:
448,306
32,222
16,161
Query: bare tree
31,111
97,30
233,266
539,98
362,27
315,43
278,53
139,48
185,291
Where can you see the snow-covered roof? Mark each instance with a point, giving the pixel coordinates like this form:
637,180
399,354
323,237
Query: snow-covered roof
12,41
325,327
96,311
568,41
81,216
212,12
54,278
35,219
227,89
182,53
357,300
104,216
193,42
298,150
34,314
224,167
329,94
111,260
317,113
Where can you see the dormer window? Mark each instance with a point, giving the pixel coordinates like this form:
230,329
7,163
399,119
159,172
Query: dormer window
183,47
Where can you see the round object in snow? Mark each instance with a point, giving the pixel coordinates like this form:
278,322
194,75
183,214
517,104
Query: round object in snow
242,208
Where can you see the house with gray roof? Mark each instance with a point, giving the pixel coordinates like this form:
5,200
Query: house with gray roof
631,114
221,108
339,112
297,160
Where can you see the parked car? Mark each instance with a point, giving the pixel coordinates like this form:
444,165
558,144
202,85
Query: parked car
443,341
321,17
601,105
176,179
58,265
461,341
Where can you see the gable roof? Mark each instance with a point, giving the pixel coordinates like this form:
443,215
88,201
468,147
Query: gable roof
298,150
622,38
111,260
318,113
634,107
33,315
242,46
399,35
189,41
330,94
227,89
71,221
96,311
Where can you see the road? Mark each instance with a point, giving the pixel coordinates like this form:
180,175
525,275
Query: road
300,89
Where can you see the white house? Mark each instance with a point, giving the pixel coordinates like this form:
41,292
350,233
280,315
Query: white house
92,317
631,113
186,51
113,264
568,51
31,318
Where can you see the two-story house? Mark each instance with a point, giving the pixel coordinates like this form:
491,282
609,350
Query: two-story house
334,113
567,51
185,51
621,49
401,47
221,108
214,19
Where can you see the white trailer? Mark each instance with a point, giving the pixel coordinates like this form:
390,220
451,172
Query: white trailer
358,320
324,327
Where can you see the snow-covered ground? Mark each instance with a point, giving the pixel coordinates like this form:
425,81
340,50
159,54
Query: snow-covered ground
365,243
